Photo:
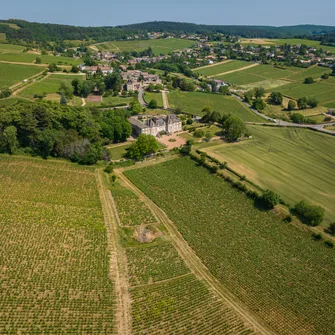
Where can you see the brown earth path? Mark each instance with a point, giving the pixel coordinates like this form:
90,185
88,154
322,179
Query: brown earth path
118,263
212,65
195,264
237,70
165,100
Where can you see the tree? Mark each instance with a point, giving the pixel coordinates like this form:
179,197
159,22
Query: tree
144,145
66,90
74,69
303,103
291,105
38,60
325,76
63,100
248,96
208,136
153,104
199,133
113,178
259,92
270,199
135,106
276,98
234,128
53,67
309,80
259,104
224,90
151,88
312,102
311,215
297,118
331,229
5,93
9,142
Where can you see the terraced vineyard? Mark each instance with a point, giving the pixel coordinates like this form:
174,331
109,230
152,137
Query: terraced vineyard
166,297
54,265
273,267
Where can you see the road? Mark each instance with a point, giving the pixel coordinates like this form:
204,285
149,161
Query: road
141,98
165,100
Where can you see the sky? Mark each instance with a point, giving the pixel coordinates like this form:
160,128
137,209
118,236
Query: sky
222,12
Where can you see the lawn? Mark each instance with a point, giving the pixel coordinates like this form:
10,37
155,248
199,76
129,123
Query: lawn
221,68
277,270
194,102
11,74
49,85
112,101
298,164
117,152
154,96
54,259
159,46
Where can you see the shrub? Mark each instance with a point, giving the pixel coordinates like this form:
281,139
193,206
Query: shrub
276,98
329,244
331,229
309,214
109,169
309,80
317,237
199,133
270,199
288,219
291,105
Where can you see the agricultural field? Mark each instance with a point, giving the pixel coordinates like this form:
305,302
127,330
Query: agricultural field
112,101
154,96
194,102
2,37
323,91
221,68
159,46
54,263
276,269
49,84
166,298
11,74
295,163
131,210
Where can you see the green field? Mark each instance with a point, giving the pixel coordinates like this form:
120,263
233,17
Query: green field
154,96
166,298
54,260
159,46
2,37
194,102
323,91
273,267
49,85
298,164
11,74
221,68
112,101
118,152
10,48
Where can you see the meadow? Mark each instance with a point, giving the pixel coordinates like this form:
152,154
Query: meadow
54,260
11,74
194,102
117,152
276,269
296,163
154,96
159,46
221,68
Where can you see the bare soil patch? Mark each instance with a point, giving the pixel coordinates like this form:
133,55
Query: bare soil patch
173,141
146,234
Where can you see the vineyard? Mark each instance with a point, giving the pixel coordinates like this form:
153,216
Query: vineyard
54,264
166,297
280,272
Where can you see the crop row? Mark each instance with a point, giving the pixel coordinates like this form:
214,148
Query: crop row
273,267
152,264
54,273
132,211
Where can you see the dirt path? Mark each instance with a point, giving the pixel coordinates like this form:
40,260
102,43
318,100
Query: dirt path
30,78
31,83
212,65
118,263
83,102
196,265
237,70
22,63
165,100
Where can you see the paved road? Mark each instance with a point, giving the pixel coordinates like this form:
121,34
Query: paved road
141,98
318,127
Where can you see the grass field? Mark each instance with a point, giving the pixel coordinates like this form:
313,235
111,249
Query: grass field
54,263
154,96
194,102
275,268
159,46
118,151
49,85
112,101
298,164
221,68
11,74
2,37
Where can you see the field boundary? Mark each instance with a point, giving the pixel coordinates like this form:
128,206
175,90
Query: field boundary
237,70
195,264
213,65
118,264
